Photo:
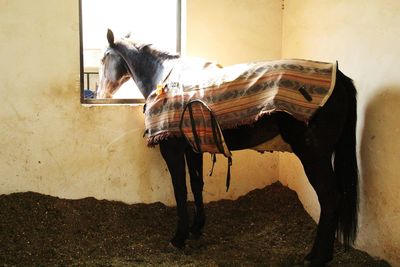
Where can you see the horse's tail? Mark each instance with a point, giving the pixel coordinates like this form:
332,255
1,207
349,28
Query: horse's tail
346,169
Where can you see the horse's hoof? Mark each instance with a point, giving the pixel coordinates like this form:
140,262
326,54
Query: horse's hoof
177,243
308,263
196,243
171,248
195,235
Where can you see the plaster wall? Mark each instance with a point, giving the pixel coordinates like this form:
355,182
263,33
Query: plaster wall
52,144
234,31
364,37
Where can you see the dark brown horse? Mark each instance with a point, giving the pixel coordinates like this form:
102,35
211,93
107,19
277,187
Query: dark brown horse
326,147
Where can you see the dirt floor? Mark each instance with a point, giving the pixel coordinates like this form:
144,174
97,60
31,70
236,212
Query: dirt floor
267,227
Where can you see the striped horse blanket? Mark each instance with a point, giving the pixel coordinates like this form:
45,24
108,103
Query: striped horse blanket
198,99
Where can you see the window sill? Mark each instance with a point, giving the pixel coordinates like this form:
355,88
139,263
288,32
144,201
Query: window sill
112,102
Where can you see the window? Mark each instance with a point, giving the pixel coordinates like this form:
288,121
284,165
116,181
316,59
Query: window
155,22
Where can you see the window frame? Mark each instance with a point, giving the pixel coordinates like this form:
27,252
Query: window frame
119,101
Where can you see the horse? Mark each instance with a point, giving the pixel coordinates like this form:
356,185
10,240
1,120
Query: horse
326,147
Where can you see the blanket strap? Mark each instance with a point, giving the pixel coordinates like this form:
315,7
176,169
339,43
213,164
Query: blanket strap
214,159
217,135
196,137
228,176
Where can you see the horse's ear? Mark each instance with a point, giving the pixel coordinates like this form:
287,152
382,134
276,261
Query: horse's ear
146,47
110,37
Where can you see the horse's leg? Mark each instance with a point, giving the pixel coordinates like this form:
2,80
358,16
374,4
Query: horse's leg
195,166
318,168
173,151
314,145
322,178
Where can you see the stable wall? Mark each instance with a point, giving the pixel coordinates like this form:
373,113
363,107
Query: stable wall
51,144
364,37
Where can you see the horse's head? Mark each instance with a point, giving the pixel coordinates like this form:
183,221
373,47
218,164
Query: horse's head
125,59
114,70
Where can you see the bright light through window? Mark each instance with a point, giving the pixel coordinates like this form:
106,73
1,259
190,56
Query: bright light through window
149,21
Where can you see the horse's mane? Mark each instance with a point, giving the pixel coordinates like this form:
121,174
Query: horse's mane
132,49
158,53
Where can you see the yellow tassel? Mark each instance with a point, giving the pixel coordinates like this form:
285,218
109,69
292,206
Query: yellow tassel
159,89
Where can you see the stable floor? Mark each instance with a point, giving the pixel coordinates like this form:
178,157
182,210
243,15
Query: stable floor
267,227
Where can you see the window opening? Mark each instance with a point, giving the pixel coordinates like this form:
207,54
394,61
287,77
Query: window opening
156,22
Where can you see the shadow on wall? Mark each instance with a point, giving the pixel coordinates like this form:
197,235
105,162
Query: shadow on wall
380,168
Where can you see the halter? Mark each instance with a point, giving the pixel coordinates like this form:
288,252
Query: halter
110,50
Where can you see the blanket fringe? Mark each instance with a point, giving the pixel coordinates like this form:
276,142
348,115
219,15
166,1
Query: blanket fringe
152,141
